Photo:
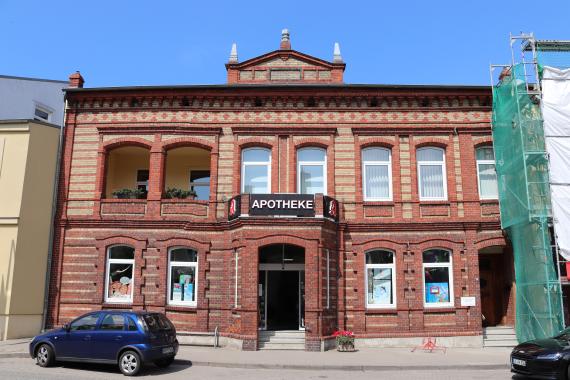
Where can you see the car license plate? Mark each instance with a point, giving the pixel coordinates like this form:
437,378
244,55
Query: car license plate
519,362
168,350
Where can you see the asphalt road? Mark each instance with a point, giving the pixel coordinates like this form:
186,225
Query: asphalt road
21,369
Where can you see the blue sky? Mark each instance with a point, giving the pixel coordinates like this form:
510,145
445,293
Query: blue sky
126,42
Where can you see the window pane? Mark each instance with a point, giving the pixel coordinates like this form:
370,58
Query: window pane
312,179
485,153
88,322
436,256
41,114
256,179
256,155
113,322
183,254
380,286
377,181
375,154
379,257
122,252
200,183
430,154
311,154
488,181
431,181
120,280
132,324
182,284
436,285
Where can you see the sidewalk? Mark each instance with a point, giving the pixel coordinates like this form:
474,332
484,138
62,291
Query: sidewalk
366,359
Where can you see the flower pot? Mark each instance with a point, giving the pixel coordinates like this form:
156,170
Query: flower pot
346,347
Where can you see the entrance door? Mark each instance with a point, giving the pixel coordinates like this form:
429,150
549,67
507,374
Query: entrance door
490,278
281,299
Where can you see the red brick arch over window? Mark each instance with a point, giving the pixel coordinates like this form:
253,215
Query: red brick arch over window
187,142
308,142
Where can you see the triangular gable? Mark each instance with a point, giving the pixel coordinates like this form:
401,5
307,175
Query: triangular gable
285,66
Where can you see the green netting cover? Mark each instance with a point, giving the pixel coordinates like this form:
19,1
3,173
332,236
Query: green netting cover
524,195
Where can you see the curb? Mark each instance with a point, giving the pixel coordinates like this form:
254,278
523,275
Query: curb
346,367
306,367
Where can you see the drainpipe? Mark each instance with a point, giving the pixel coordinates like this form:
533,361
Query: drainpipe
236,280
52,220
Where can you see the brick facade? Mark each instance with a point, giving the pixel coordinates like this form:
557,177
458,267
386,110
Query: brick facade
224,120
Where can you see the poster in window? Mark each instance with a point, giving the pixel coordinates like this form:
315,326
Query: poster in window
177,292
437,292
186,281
382,292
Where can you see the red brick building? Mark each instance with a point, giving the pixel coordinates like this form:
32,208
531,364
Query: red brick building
284,200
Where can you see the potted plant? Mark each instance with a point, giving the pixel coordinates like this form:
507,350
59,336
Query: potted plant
174,193
130,194
344,340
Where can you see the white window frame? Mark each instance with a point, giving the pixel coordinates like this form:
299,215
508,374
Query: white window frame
377,163
486,162
256,163
43,108
142,183
323,164
107,273
172,264
381,266
432,163
449,266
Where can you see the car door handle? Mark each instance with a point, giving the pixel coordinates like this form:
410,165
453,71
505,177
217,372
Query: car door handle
87,337
119,337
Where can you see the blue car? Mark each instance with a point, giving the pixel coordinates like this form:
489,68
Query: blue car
127,338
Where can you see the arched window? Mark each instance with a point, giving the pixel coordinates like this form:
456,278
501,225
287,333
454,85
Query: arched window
438,278
311,171
486,174
376,174
432,181
120,270
380,279
182,276
256,171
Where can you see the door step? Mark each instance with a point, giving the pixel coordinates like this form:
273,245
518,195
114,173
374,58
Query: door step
282,340
499,336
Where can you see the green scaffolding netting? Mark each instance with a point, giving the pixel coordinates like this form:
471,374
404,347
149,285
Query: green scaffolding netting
524,195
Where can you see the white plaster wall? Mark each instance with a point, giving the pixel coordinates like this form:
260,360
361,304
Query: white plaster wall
18,98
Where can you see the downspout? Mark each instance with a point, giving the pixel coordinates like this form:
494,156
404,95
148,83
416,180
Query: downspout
52,220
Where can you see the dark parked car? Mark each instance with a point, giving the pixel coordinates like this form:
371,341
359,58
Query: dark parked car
126,338
543,358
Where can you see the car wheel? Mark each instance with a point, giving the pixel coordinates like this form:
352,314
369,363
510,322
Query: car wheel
44,355
163,363
130,363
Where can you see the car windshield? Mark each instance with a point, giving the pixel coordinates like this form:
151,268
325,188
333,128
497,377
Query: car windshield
157,322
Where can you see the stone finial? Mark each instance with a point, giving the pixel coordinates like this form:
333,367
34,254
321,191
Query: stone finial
76,80
337,58
233,54
285,40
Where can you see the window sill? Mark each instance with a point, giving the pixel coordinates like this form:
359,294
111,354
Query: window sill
386,310
434,202
181,307
492,201
440,309
117,305
378,202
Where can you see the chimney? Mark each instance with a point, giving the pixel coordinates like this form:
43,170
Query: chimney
285,41
76,80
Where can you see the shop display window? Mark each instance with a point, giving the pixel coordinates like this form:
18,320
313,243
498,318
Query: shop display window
380,279
120,265
438,284
182,276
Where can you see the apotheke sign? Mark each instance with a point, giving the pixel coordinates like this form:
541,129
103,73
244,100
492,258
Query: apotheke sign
282,204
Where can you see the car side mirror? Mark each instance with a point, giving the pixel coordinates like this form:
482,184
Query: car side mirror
66,327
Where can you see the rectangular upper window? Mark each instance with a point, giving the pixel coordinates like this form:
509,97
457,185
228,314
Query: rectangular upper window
486,174
432,180
41,113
